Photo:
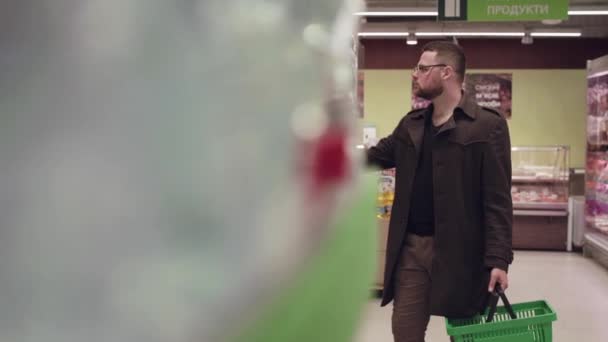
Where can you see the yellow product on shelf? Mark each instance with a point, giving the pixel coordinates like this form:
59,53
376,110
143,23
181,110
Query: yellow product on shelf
386,193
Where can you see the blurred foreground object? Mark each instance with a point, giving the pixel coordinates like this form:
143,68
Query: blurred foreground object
163,172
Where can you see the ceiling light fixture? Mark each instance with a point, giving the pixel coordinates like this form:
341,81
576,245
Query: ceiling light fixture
555,34
431,13
411,39
398,14
470,34
551,21
591,12
382,34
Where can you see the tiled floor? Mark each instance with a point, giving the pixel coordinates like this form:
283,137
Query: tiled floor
576,287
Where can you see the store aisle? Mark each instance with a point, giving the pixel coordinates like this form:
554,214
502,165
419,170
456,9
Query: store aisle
575,286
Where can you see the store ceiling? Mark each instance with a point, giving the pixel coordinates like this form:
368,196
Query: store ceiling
591,26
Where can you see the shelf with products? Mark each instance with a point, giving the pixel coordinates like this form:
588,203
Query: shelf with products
540,190
599,222
386,193
534,179
540,196
596,191
596,180
384,204
540,177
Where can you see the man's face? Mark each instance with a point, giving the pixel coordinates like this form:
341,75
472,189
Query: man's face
427,76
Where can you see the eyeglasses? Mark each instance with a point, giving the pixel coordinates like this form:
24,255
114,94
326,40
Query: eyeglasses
425,68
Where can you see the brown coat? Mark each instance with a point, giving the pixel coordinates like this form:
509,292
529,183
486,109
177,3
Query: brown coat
472,199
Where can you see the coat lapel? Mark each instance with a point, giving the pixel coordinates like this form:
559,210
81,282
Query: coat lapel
466,107
416,131
448,125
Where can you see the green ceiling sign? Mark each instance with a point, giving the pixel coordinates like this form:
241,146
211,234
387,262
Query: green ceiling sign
502,10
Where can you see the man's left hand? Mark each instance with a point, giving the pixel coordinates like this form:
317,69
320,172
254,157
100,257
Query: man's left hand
499,276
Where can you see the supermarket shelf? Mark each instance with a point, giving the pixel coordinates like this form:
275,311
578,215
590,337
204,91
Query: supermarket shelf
540,206
532,179
592,223
540,148
555,213
596,247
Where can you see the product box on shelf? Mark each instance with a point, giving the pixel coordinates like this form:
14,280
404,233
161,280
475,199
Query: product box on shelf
386,193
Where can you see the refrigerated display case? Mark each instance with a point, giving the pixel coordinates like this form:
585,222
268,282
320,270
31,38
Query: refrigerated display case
596,180
540,184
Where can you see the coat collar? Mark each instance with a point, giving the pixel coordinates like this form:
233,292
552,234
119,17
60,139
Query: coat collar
466,106
416,126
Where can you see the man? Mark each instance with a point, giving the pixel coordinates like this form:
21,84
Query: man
449,239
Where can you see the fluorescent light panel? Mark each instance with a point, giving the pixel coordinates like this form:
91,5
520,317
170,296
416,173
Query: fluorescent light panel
470,34
442,34
555,34
383,34
435,13
398,14
591,12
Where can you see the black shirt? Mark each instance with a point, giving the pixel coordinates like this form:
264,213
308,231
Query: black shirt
421,218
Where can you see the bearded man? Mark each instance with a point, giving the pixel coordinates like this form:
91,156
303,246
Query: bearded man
449,239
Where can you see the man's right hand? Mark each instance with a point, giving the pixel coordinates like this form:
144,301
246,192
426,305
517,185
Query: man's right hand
498,276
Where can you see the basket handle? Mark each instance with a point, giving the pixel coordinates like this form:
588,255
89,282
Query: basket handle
499,292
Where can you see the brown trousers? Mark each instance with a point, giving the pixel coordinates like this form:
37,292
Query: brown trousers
412,289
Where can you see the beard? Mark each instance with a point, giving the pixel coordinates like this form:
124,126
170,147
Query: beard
429,93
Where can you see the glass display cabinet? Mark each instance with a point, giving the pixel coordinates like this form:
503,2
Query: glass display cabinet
539,189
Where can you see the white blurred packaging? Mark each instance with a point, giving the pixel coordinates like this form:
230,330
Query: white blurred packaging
147,152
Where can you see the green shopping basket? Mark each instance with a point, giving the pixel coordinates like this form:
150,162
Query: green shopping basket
523,322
